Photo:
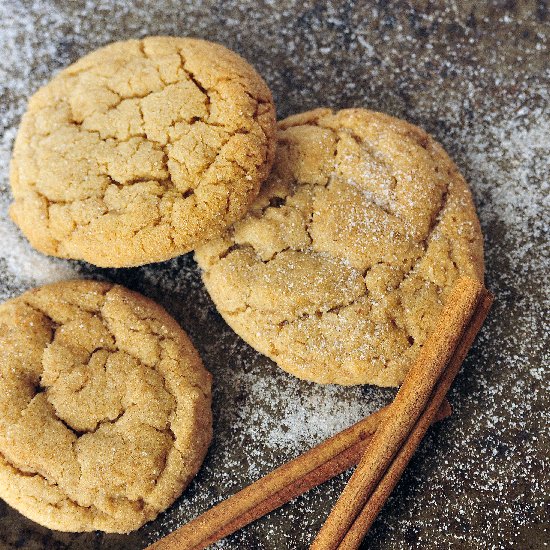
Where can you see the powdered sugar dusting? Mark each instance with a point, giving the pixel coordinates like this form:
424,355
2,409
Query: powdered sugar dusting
477,78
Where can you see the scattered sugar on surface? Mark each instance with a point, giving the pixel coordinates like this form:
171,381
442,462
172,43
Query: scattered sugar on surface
478,82
304,419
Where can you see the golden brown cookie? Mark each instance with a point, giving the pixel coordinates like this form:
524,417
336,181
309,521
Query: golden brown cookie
141,150
344,260
104,407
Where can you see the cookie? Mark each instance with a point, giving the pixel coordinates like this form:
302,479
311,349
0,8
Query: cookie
105,407
141,150
344,260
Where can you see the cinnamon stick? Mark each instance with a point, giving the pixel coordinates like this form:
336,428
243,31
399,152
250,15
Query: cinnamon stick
319,464
366,518
408,406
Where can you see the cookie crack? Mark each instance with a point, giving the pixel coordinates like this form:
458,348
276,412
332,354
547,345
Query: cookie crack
425,242
99,313
319,313
49,482
160,338
194,79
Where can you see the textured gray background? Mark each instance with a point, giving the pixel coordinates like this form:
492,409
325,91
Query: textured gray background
476,76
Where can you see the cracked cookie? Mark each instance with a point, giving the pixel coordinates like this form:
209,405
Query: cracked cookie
105,407
344,260
141,150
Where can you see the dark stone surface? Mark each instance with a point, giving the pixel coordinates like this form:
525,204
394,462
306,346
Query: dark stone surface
475,76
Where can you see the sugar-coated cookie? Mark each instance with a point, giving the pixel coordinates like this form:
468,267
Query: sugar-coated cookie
344,260
141,150
105,407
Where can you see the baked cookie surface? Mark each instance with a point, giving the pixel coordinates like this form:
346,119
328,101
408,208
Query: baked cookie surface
344,260
141,150
105,407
